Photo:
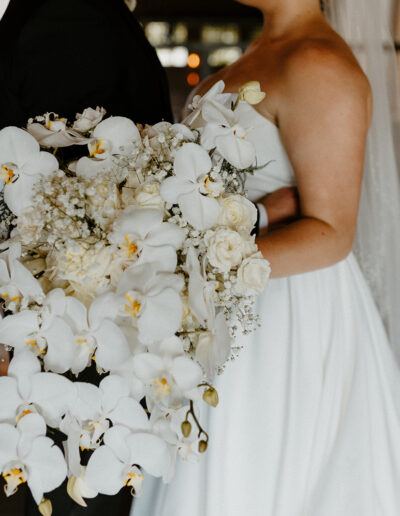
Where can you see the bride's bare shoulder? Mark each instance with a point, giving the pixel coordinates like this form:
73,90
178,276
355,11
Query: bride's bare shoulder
323,64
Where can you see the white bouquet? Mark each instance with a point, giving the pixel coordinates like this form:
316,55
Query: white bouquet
137,259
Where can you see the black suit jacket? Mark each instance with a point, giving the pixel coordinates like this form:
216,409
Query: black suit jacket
66,55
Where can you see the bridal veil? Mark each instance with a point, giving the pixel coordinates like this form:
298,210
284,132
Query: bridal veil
363,24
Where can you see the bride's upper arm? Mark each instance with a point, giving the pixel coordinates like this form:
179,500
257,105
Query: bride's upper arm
323,116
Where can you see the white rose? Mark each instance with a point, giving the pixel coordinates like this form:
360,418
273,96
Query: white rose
253,275
148,195
88,119
224,248
251,92
237,212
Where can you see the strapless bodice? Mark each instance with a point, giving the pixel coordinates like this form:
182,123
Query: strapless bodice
264,135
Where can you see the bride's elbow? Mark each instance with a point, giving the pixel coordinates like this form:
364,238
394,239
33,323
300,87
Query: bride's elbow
343,245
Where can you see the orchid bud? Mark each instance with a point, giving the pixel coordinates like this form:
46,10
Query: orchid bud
251,93
186,428
202,446
78,490
45,507
210,396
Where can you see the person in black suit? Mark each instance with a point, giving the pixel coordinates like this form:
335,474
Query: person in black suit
64,56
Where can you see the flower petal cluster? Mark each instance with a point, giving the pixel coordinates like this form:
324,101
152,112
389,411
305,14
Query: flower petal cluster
137,262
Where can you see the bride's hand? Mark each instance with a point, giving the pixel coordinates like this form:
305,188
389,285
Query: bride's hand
282,206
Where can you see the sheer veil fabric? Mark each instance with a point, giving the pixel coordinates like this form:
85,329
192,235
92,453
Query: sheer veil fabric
362,23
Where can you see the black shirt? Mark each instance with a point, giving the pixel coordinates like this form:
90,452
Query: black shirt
64,56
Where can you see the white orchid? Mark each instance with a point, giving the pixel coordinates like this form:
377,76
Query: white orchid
44,332
143,237
89,416
224,132
50,130
27,390
194,119
16,282
22,164
27,455
116,135
113,465
151,300
191,187
96,333
169,374
214,345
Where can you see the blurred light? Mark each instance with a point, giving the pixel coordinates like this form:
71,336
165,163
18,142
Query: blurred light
228,34
224,56
173,57
157,33
180,34
193,60
193,79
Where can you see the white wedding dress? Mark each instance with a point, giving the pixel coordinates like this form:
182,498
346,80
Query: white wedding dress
309,416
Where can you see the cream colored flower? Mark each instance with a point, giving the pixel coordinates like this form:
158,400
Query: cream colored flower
251,93
224,248
84,267
148,195
88,119
237,212
253,275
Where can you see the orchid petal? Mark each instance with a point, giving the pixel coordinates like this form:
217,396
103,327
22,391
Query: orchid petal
173,187
166,309
16,145
104,472
112,347
9,437
61,346
15,328
191,162
9,399
151,452
239,153
200,211
47,467
113,388
130,413
186,373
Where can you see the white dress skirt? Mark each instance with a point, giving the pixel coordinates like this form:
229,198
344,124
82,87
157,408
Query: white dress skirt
309,417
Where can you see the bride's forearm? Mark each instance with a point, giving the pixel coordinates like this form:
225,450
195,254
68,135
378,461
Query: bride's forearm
305,245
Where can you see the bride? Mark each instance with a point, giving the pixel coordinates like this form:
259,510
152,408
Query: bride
309,419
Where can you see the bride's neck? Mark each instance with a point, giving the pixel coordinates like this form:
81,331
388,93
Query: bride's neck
286,17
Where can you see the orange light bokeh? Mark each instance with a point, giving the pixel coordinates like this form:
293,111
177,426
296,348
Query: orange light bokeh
193,79
193,60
